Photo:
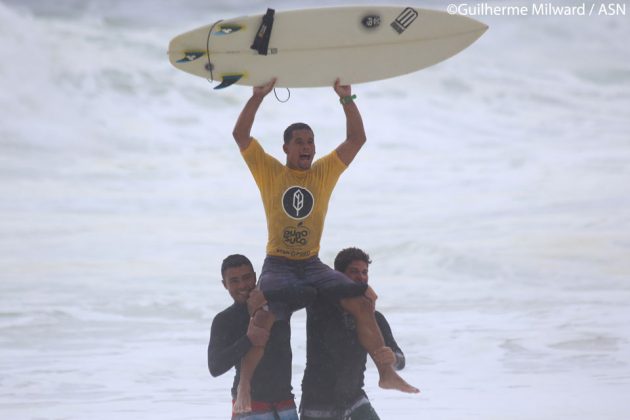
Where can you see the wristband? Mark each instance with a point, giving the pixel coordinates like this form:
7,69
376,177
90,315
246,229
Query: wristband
347,99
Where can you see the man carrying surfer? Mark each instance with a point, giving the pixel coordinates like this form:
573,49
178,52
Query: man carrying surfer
234,333
295,197
332,387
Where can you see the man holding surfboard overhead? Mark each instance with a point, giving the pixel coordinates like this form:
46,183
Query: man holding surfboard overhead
295,197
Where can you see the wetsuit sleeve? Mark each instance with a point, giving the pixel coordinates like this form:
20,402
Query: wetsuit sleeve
225,350
390,341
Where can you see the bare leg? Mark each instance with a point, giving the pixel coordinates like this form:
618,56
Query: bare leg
371,339
243,402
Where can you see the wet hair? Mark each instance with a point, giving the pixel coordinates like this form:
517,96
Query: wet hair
288,133
346,256
235,260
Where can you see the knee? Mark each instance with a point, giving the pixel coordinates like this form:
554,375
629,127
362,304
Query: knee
264,319
359,305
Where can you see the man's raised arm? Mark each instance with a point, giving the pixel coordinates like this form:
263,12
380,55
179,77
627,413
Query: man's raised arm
355,133
243,127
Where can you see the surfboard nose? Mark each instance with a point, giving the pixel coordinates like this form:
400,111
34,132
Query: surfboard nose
482,27
467,24
464,30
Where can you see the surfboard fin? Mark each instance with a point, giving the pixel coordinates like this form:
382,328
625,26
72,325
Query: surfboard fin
229,81
191,56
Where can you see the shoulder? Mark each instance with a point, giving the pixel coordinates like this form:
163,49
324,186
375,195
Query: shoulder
383,324
228,315
330,161
255,155
252,147
380,318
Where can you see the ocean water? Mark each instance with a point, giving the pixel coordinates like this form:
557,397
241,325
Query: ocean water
493,197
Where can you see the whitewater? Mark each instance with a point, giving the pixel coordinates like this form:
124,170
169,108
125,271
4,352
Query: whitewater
492,195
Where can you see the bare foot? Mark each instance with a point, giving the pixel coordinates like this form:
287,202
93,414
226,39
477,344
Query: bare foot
243,402
392,380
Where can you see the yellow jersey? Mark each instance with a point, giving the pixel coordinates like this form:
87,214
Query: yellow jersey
295,201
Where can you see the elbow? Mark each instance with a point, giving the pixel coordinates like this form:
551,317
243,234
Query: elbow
356,141
213,370
239,133
241,139
360,140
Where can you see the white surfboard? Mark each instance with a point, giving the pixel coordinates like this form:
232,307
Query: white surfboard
313,47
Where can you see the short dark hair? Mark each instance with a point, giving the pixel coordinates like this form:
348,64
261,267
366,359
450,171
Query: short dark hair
346,256
234,260
288,133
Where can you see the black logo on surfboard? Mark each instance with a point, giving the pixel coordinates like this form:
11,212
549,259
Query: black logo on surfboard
404,20
297,202
371,21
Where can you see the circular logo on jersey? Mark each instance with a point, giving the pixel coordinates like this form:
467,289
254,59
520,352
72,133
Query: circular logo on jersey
297,202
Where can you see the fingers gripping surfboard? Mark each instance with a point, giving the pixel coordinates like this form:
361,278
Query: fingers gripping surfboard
313,47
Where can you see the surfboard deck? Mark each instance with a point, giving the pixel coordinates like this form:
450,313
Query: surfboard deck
313,47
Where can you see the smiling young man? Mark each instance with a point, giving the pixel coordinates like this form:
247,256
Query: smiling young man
332,387
295,197
234,333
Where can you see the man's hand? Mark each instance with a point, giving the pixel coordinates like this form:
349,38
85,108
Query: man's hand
342,90
257,335
355,132
384,356
263,90
255,301
371,294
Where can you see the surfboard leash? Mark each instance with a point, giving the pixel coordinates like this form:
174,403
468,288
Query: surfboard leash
210,66
280,100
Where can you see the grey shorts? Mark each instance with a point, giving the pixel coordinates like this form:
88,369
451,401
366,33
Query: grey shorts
361,409
280,273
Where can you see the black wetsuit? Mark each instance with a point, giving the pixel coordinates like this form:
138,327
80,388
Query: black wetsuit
229,343
335,359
